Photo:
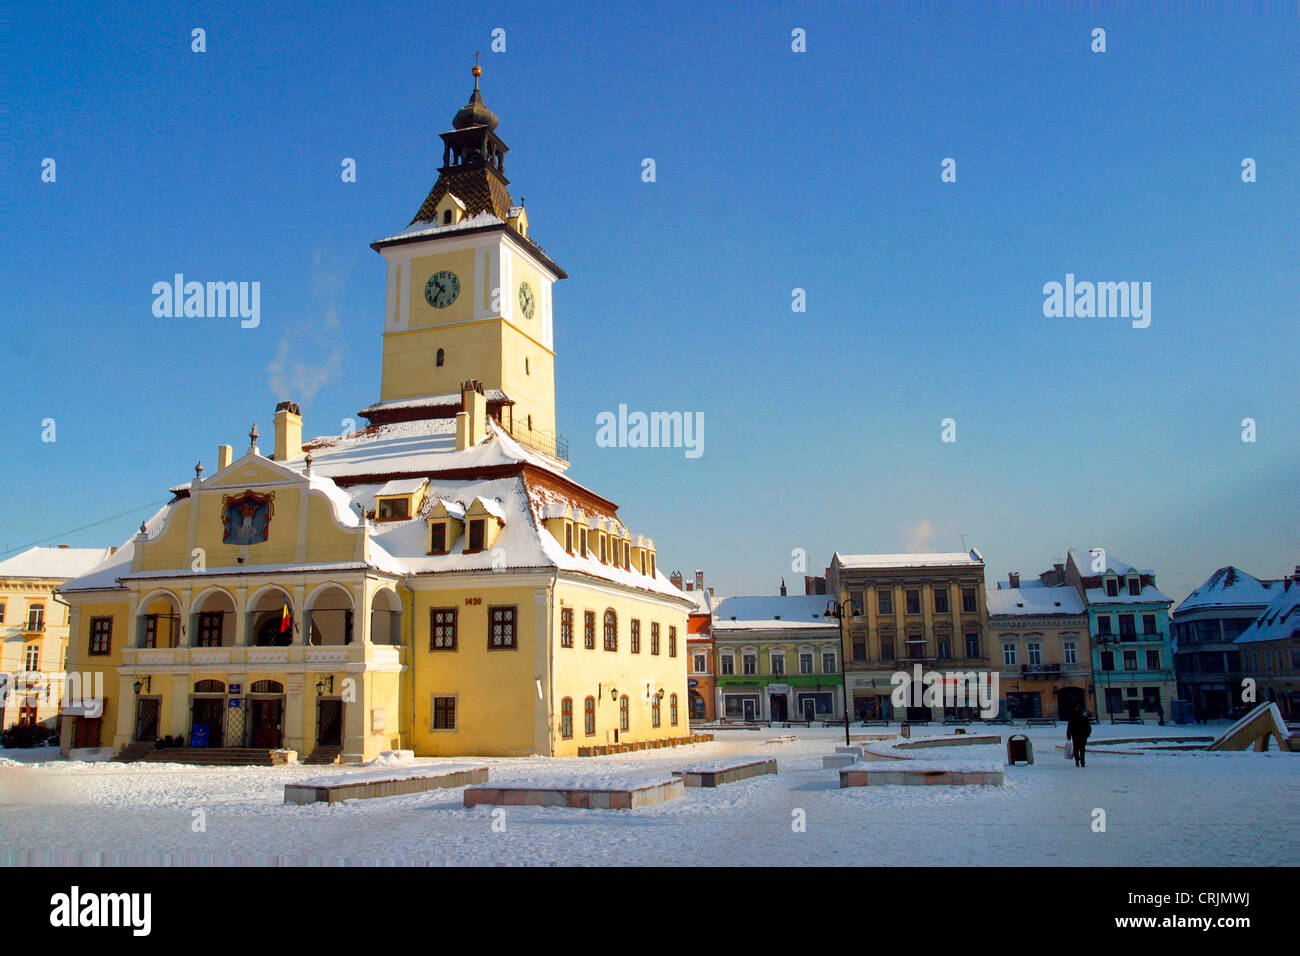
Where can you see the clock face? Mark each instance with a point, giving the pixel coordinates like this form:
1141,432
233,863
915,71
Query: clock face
441,289
526,300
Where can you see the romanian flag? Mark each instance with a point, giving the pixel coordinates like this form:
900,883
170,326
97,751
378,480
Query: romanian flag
286,618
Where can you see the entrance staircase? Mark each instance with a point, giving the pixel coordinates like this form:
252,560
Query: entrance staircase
199,756
323,755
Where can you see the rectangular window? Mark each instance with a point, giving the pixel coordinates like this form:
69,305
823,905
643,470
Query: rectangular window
728,665
859,602
611,631
636,636
1130,660
36,617
101,635
568,546
32,657
913,602
210,628
805,663
1034,653
945,648
672,641
1071,651
444,713
582,541
654,637
860,649
973,644
623,713
501,628
699,662
1009,655
778,665
828,663
940,601
1149,624
749,663
1103,625
1135,587
1112,587
602,549
589,716
438,537
589,630
2,612
968,603
151,631
1108,660
392,509
886,648
442,628
566,718
654,712
476,531
1153,660
566,633
1126,628
885,602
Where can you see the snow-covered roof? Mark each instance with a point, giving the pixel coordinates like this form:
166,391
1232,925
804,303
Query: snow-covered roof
1279,621
1148,595
56,564
399,486
1083,562
491,506
773,612
1231,587
1033,598
426,228
931,560
429,401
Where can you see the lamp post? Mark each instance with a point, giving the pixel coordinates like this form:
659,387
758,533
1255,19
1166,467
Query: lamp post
835,609
1105,641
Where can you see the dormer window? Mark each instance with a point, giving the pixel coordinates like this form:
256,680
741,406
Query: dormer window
568,537
582,541
1134,586
1112,587
446,217
393,509
438,538
602,549
477,529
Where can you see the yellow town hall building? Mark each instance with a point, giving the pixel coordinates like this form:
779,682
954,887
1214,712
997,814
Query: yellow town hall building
433,581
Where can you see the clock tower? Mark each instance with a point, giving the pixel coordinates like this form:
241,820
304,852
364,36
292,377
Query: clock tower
469,292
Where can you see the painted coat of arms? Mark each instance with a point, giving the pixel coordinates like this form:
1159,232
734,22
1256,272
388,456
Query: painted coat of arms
247,517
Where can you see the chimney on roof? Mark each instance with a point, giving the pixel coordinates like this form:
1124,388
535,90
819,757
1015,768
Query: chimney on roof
471,420
783,587
288,431
63,546
1058,568
690,585
1013,579
676,579
225,455
699,580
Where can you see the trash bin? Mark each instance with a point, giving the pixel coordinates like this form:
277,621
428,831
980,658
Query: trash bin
905,729
1019,750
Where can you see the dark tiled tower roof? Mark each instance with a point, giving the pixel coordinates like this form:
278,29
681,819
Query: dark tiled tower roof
473,163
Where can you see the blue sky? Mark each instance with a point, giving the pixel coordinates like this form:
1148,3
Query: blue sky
775,170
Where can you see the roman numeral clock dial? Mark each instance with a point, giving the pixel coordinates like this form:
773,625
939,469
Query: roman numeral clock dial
441,289
526,301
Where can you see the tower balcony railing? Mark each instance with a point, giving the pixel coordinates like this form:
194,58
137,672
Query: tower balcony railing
547,442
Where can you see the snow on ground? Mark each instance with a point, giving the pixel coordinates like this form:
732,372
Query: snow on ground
1186,808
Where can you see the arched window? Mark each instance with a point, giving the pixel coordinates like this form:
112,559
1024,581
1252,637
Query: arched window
611,630
672,710
266,687
209,687
566,718
442,358
446,217
654,711
622,713
589,716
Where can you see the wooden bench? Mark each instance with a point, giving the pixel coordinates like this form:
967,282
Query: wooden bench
875,722
1041,722
1127,720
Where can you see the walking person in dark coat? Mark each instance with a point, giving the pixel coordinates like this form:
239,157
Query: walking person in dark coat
1077,732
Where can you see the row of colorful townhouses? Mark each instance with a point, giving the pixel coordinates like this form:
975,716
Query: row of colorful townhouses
1091,633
